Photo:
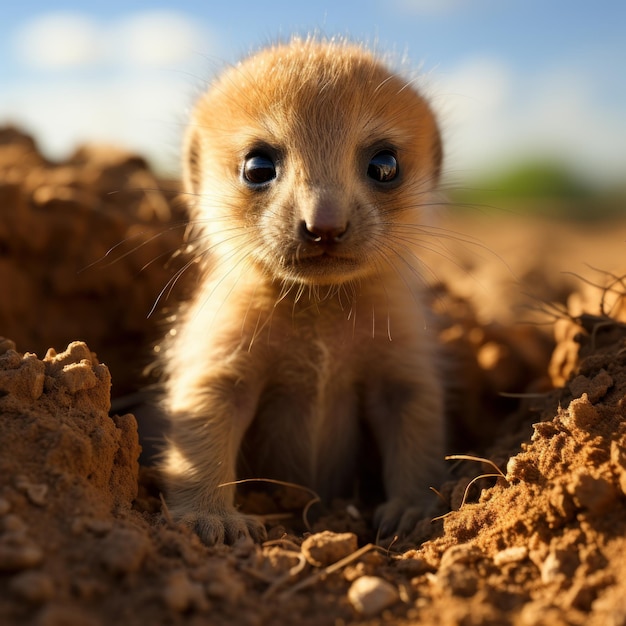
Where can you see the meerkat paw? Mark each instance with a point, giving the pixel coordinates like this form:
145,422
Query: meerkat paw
397,517
225,527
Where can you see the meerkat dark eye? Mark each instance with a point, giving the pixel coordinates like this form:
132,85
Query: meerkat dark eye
383,167
258,169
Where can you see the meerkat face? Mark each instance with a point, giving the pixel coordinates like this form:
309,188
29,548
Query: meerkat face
309,160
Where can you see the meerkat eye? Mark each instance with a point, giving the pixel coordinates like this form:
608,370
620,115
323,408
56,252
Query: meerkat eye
258,169
383,167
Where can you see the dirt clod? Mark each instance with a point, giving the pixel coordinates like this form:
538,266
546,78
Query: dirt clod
322,549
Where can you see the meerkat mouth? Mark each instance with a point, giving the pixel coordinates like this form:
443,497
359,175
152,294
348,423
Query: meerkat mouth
322,259
322,267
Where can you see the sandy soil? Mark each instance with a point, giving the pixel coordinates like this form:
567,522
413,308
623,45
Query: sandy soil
532,522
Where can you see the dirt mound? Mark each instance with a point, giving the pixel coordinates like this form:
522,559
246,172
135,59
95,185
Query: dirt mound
84,538
546,543
75,236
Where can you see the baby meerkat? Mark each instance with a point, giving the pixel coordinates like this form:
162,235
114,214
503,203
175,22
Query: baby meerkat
309,167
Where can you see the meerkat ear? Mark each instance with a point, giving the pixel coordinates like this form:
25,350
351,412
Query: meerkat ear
437,150
192,161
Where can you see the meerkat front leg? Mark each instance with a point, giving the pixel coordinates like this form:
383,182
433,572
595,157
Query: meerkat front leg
201,457
408,423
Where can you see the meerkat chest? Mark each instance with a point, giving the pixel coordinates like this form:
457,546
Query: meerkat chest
328,347
315,358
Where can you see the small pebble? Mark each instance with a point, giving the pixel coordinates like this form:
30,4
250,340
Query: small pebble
594,493
514,554
581,414
32,586
35,492
353,512
78,376
370,595
462,553
14,524
554,566
180,593
123,550
5,506
17,552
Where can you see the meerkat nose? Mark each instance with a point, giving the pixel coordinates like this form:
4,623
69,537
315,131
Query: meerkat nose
324,220
323,232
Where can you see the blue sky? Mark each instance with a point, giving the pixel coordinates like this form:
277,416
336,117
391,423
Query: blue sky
509,79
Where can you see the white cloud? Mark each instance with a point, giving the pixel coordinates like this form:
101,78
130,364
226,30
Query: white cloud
493,117
478,87
158,38
58,40
63,40
146,116
137,89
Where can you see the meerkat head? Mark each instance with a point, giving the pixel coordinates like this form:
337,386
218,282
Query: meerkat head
307,159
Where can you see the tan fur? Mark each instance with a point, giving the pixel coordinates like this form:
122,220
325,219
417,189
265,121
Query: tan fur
284,350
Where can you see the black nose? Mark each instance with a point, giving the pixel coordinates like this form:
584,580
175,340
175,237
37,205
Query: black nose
323,233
